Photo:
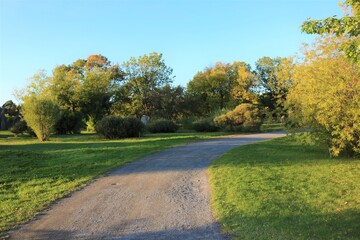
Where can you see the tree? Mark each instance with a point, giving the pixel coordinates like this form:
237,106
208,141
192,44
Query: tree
326,97
243,90
274,79
39,107
168,102
143,76
87,86
9,115
214,85
41,114
347,26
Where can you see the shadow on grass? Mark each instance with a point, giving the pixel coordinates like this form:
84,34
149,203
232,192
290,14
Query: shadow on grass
309,225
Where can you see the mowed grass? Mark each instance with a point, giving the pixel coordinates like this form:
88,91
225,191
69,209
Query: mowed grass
280,189
34,174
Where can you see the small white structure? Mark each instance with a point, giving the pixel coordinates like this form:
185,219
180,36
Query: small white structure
145,119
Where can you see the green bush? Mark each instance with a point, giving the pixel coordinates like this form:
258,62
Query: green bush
245,117
204,125
19,127
162,126
133,126
113,127
69,122
41,114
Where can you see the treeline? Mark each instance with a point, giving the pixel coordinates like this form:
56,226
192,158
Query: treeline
89,89
317,93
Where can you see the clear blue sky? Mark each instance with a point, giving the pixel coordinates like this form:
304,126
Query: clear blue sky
191,34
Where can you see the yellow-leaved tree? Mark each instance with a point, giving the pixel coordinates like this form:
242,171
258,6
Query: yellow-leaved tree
326,96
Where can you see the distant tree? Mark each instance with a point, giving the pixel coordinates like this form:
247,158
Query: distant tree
9,115
214,85
274,79
167,102
10,108
41,114
86,86
244,89
347,26
326,97
2,119
143,75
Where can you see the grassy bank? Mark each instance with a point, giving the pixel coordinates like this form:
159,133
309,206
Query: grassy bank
34,174
281,190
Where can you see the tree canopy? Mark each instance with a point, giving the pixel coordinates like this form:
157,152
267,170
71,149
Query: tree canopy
326,97
215,86
347,26
87,85
143,76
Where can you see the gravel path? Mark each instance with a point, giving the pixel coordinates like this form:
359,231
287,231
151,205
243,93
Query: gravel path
162,196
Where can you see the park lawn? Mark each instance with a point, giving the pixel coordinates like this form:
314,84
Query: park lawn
34,174
280,189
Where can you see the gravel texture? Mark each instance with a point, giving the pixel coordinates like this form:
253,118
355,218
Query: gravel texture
165,195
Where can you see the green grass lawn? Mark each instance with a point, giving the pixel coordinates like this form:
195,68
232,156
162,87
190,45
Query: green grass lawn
280,189
34,174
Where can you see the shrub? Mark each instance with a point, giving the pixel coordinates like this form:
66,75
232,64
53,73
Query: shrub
162,126
69,122
41,115
133,126
113,127
245,117
19,127
90,125
204,125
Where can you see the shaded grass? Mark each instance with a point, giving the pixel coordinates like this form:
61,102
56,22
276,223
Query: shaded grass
34,174
280,189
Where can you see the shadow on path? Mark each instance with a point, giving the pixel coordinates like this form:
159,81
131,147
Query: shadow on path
161,196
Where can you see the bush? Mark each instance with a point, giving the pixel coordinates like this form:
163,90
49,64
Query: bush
204,125
90,125
133,126
162,126
113,127
19,127
41,115
69,122
245,117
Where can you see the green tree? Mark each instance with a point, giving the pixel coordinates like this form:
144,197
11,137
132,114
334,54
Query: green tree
143,75
347,26
87,86
326,97
214,86
39,107
274,79
168,102
41,114
9,115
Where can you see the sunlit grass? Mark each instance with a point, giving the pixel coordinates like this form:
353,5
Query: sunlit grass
282,190
34,174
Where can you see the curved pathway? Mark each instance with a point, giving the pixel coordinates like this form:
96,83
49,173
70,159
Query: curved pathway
162,196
